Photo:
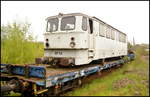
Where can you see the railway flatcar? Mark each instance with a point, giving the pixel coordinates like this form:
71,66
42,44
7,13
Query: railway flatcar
78,39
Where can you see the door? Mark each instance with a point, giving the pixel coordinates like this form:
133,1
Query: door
91,35
91,39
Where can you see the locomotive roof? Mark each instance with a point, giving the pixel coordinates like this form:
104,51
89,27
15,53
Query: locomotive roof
81,14
108,25
70,14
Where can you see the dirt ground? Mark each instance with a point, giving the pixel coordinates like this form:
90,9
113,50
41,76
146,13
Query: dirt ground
122,83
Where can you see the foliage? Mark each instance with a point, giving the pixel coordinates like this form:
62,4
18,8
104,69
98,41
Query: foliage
18,45
129,45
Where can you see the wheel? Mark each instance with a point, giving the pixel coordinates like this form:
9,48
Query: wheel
99,73
79,82
103,61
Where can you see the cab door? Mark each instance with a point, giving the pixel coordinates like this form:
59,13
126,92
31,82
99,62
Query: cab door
90,39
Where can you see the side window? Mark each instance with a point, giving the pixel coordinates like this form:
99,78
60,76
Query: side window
84,23
105,30
102,30
112,34
117,35
120,37
108,32
96,27
124,38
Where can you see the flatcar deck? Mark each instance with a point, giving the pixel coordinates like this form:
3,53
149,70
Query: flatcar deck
55,71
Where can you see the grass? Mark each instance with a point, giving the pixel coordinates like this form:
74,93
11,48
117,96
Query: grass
137,71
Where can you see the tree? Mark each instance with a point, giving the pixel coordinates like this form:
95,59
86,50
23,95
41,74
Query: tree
129,45
17,46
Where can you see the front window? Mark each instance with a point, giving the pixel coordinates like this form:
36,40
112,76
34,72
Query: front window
68,23
52,25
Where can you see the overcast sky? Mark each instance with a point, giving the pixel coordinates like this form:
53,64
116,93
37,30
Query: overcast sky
131,17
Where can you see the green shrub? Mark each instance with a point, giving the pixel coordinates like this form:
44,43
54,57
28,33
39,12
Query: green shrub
18,46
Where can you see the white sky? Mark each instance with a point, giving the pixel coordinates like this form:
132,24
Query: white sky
131,17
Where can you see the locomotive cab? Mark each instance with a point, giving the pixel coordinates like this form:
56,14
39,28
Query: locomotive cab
66,39
66,32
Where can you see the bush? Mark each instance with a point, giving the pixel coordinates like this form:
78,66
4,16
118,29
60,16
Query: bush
18,45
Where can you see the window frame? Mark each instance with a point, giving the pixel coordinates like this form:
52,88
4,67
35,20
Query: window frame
101,30
96,27
50,25
67,29
112,34
86,23
108,32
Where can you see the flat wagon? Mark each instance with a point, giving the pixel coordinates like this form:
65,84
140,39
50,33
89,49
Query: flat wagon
42,79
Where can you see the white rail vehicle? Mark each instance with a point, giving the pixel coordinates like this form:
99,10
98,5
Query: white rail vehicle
78,39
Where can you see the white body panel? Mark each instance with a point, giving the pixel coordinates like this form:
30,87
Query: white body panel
81,56
102,47
62,40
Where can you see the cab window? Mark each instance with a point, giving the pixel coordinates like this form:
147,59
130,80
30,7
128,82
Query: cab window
52,25
68,23
84,23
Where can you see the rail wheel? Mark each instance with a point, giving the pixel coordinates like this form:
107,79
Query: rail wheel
99,73
103,61
79,82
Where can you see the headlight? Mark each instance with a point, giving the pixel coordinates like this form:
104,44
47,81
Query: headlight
47,44
72,44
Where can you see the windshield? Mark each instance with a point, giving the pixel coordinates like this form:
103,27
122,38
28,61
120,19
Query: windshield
52,25
68,23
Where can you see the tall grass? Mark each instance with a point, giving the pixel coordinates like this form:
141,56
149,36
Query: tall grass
18,46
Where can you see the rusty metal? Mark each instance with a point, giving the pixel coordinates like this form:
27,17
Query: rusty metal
9,69
26,71
53,61
64,61
31,79
54,71
11,85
